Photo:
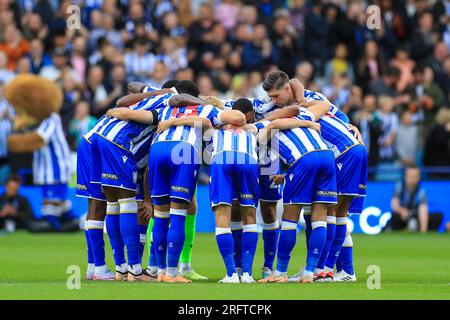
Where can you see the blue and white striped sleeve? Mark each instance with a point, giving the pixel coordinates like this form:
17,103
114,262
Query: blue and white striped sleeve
47,128
214,115
261,125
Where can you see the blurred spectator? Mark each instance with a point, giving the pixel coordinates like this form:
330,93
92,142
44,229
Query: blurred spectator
81,123
370,66
15,210
54,72
389,121
410,207
259,51
370,125
5,74
106,30
38,59
407,140
139,63
14,45
285,41
316,35
423,37
425,94
23,65
97,95
338,91
339,64
227,13
437,146
304,72
205,85
436,62
405,65
159,76
6,119
78,57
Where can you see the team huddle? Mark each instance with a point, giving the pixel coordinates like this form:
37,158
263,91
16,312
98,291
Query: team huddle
138,167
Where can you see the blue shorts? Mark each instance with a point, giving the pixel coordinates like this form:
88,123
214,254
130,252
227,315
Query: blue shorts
311,179
113,165
85,188
356,206
351,172
269,165
140,185
55,192
269,191
236,178
172,168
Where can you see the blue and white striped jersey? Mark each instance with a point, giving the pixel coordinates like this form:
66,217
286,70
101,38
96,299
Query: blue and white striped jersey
317,96
51,163
5,126
191,135
263,106
292,144
235,141
334,131
128,134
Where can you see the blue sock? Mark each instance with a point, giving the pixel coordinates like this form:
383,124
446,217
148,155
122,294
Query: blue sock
130,231
249,242
339,266
308,229
142,238
97,242
113,229
225,243
152,256
160,230
270,237
346,255
333,254
288,237
236,230
331,230
90,255
316,244
175,236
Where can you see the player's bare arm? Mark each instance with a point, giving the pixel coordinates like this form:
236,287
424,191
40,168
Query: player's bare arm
298,89
317,108
284,124
185,99
142,116
131,99
135,87
191,121
233,116
214,101
286,112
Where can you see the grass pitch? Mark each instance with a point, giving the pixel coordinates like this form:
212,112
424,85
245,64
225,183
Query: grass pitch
413,266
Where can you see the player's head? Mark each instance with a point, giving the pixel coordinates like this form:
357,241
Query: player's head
245,106
188,86
277,87
169,84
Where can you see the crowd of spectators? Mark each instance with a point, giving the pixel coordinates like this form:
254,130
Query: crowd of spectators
392,81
